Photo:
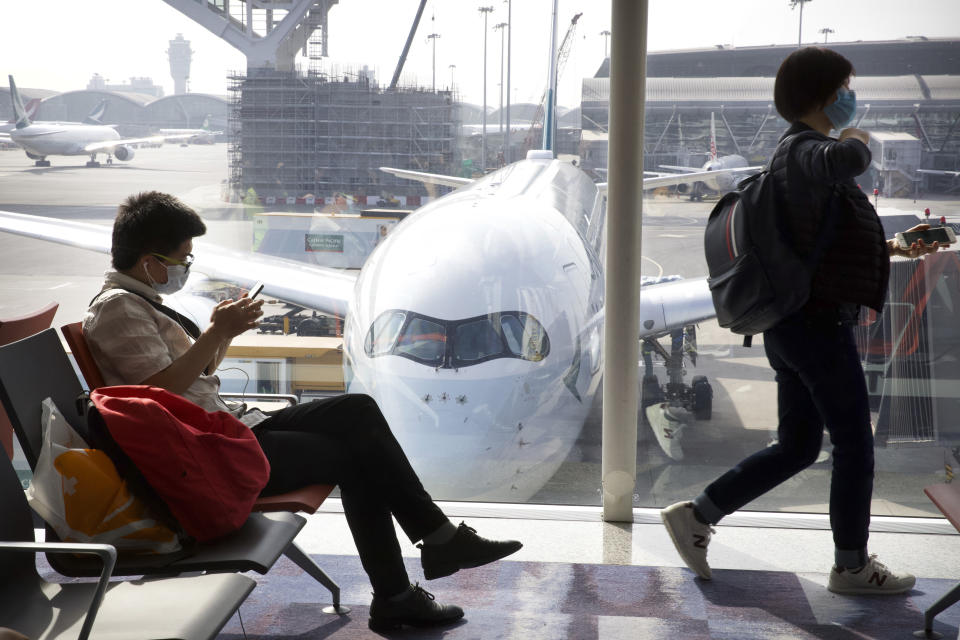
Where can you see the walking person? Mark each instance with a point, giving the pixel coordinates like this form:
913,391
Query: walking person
820,381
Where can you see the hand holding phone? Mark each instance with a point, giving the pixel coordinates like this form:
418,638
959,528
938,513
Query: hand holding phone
929,235
255,290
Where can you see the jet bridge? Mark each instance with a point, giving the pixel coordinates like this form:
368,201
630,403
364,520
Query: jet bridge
895,158
268,32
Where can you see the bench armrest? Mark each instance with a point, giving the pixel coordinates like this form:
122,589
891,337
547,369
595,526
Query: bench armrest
288,397
107,553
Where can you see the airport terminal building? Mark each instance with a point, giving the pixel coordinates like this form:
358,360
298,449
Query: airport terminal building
909,87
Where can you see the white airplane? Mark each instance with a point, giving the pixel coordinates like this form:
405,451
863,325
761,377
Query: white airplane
203,135
725,171
94,117
477,324
39,139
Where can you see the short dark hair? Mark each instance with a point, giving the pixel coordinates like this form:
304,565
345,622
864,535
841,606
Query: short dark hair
151,222
806,80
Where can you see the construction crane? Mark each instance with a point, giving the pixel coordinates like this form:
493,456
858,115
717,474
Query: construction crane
563,52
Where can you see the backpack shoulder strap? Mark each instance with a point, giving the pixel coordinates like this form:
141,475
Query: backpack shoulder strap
188,325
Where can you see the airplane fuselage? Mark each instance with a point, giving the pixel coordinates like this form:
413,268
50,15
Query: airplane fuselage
61,139
726,181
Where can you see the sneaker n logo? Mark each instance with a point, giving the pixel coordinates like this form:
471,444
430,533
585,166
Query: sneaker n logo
701,542
876,577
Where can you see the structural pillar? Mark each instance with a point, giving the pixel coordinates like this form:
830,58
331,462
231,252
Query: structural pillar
621,350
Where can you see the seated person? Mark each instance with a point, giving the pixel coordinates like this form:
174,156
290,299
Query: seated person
343,440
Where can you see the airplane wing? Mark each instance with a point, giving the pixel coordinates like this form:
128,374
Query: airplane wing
696,176
109,144
322,288
684,169
940,172
669,179
428,178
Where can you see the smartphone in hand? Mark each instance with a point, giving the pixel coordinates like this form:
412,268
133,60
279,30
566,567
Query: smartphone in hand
943,235
255,290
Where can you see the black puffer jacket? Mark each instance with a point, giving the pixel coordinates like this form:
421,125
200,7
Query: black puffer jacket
855,267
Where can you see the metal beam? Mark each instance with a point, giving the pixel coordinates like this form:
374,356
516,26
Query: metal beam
271,50
406,47
730,131
621,349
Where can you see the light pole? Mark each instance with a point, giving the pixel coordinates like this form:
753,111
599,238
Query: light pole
434,36
826,31
500,27
793,5
606,39
506,117
453,68
483,134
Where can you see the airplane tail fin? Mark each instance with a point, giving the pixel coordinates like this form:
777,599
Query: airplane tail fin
19,113
32,107
94,117
713,137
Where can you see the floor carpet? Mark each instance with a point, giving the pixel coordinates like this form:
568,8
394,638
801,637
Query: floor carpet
557,601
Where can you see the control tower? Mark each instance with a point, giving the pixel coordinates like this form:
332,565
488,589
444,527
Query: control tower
180,55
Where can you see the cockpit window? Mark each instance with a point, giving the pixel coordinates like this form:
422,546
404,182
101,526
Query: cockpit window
383,333
525,336
424,341
475,340
454,344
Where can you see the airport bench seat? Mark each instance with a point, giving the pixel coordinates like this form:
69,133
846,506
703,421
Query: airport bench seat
12,329
37,367
946,497
188,608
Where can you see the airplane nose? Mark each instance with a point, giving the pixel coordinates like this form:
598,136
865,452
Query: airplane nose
498,439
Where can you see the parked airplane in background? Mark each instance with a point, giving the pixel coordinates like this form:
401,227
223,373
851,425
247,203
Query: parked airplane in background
94,117
203,135
477,324
40,139
726,171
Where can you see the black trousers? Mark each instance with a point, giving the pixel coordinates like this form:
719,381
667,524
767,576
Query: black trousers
346,441
820,382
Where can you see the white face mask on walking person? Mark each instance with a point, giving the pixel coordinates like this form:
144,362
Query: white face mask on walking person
177,273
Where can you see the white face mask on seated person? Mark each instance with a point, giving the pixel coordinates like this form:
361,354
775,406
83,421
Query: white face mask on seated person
177,275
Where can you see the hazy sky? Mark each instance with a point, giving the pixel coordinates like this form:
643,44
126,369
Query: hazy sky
60,44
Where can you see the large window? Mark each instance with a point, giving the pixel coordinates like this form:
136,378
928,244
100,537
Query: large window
479,330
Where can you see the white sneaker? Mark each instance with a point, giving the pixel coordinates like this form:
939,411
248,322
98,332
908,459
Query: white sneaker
689,535
872,578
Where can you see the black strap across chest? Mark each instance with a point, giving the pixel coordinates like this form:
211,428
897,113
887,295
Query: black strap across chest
188,325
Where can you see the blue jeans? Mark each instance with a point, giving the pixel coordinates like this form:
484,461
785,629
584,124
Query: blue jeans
820,382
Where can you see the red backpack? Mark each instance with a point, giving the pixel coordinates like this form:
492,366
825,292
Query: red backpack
206,467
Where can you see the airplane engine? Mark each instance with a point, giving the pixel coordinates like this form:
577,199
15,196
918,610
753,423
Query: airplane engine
123,152
682,188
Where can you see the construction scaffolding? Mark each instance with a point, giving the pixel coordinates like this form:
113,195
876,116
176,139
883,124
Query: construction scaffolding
322,134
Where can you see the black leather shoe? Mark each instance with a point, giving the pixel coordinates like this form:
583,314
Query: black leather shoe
465,550
419,609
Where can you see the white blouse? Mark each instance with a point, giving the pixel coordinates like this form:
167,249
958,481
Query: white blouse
132,341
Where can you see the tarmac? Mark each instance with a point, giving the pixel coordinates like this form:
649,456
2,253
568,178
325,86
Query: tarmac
744,403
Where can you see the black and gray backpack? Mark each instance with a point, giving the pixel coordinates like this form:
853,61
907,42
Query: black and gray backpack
757,278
